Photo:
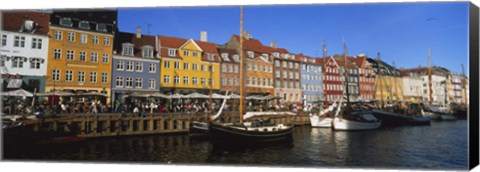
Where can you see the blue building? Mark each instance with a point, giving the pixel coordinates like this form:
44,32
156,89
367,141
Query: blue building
311,72
136,65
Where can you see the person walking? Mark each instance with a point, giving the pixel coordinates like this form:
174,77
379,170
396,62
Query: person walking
94,107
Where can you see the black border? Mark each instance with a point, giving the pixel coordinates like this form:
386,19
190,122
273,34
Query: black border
473,84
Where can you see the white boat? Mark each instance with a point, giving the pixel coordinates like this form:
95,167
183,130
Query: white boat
355,120
321,120
431,115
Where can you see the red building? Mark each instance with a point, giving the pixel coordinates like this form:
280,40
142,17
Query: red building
229,73
332,79
366,77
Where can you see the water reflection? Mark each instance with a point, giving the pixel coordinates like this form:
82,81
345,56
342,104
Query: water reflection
439,146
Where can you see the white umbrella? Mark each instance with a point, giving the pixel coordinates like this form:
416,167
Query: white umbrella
218,96
160,95
17,93
138,95
57,93
177,96
235,96
254,97
91,94
196,95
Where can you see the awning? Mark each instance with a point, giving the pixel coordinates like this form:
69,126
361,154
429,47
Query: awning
15,83
17,93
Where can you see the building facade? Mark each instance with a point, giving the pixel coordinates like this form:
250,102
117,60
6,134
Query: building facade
455,90
311,79
366,77
286,76
136,64
24,50
352,74
188,66
229,73
80,51
332,80
388,82
412,86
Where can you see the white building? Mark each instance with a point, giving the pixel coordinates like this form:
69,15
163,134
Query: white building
438,89
412,88
455,88
24,49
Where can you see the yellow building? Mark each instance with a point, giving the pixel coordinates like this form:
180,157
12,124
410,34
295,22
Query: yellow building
389,88
80,51
185,65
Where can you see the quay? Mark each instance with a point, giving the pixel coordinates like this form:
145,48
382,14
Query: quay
114,124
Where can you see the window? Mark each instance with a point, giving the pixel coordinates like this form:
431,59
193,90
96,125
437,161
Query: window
204,67
195,54
93,77
129,82
94,57
277,74
35,63
71,37
17,62
84,25
120,65
194,80
171,52
235,68
185,66
203,81
290,65
127,49
95,40
236,81
224,67
254,81
277,63
185,80
119,81
248,81
19,41
166,79
4,40
254,67
176,80
69,75
138,82
57,54
104,77
36,43
176,65
236,58
106,41
166,64
82,56
194,66
70,55
147,52
209,57
83,38
230,68
105,58
186,53
56,75
284,64
152,68
151,84
265,81
284,74
250,54
129,66
66,22
81,76
222,81
139,67
101,27
58,35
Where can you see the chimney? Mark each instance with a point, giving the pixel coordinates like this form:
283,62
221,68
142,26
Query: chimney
138,34
203,36
273,44
246,35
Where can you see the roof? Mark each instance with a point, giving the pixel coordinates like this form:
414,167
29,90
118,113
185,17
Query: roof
341,62
175,43
300,57
254,45
125,37
94,17
436,70
230,53
359,61
14,21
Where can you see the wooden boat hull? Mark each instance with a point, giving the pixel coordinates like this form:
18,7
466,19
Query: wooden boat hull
343,124
229,133
199,129
394,119
321,122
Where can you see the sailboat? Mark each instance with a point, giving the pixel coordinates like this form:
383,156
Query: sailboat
256,131
322,119
351,119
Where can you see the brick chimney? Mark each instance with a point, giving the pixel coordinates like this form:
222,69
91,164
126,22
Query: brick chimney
203,36
273,44
138,34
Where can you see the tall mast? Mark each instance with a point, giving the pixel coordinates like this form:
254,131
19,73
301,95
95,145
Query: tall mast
211,87
241,66
380,79
430,79
323,66
395,86
347,74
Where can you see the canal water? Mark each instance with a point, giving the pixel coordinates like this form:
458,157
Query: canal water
442,145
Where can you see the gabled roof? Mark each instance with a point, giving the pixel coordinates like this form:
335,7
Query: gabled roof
341,62
359,61
254,45
171,42
167,42
14,20
144,40
230,53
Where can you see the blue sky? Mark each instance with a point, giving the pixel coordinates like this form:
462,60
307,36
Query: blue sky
401,32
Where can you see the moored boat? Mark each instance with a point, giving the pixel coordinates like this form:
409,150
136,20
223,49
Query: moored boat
356,120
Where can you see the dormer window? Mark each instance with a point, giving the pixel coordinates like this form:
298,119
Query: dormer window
236,58
250,54
65,21
147,51
225,57
84,25
127,49
276,54
29,26
172,52
305,59
209,57
102,27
